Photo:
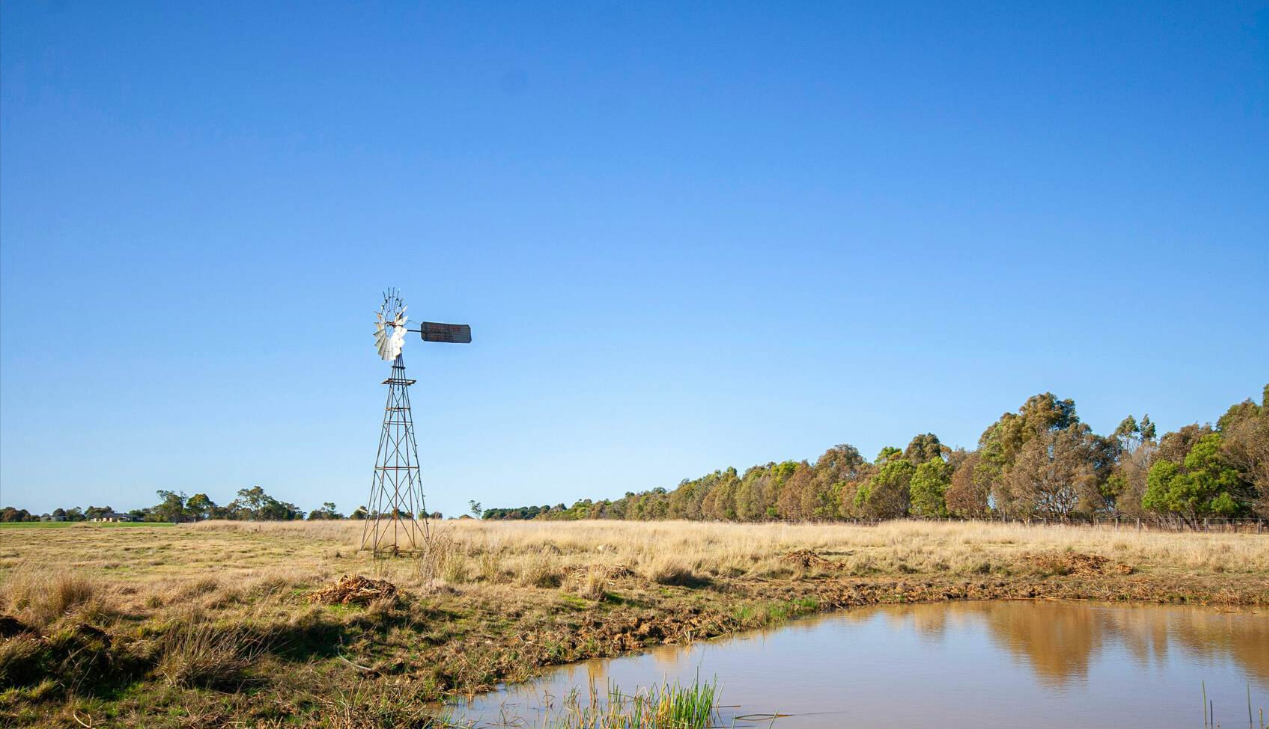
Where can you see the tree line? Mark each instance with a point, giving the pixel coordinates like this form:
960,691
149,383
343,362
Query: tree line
252,504
1040,462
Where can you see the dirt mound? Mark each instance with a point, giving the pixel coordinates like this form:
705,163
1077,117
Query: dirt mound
1076,563
354,589
806,559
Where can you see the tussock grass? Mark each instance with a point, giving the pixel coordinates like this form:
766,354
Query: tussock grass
590,583
540,570
200,654
40,596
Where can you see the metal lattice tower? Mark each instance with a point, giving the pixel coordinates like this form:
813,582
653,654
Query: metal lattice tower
398,517
397,522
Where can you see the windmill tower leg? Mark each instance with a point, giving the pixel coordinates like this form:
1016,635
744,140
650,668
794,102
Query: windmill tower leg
397,522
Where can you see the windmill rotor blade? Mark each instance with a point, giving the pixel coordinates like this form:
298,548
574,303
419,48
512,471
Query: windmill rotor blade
447,333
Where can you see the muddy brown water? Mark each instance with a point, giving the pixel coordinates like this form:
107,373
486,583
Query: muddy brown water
967,664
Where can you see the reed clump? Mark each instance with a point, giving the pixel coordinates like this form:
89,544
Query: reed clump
667,706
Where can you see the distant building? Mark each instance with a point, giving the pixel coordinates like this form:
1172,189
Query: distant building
113,516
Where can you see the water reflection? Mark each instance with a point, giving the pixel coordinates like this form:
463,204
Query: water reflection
973,664
1058,640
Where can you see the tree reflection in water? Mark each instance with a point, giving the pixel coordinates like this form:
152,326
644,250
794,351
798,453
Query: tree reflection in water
1058,640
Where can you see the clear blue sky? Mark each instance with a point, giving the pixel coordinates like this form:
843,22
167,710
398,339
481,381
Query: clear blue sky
686,236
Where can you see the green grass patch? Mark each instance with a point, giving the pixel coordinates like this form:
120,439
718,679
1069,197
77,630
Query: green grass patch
89,524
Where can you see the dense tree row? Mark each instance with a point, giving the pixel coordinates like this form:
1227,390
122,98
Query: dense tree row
1040,462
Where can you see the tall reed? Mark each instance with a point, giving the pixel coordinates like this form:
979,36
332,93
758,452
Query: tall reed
668,706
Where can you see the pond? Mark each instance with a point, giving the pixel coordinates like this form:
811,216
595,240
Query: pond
963,664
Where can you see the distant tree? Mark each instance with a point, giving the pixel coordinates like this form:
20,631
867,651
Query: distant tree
254,504
797,499
274,510
200,507
10,514
1147,428
1203,484
1050,473
171,507
923,448
929,486
475,509
1175,446
1126,485
967,495
1128,434
887,495
358,514
251,503
1244,432
887,454
1002,444
327,512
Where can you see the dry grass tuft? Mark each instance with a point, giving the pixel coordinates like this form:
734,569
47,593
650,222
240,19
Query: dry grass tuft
41,597
200,654
541,571
442,558
590,583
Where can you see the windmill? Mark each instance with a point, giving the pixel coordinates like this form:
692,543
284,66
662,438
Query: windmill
397,521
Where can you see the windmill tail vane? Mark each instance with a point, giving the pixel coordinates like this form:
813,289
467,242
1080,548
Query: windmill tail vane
397,519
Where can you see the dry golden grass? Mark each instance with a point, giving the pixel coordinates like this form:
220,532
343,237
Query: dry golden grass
221,563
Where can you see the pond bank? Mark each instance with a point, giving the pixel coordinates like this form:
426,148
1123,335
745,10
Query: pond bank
1043,663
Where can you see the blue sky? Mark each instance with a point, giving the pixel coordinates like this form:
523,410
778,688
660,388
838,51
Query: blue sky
685,236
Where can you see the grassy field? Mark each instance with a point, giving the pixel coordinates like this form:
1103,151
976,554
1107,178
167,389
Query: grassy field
212,624
69,524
